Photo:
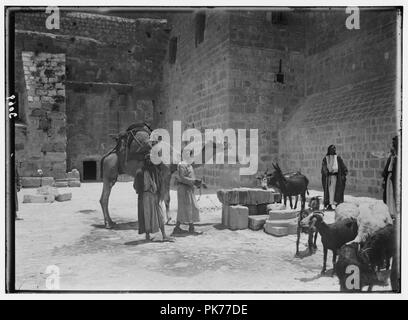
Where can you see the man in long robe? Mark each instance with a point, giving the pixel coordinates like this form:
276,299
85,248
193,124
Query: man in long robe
334,174
187,211
390,179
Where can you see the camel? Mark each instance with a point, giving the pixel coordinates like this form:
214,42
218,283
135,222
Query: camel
127,157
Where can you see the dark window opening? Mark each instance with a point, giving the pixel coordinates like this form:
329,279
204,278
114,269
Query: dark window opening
280,76
277,17
173,50
89,170
199,28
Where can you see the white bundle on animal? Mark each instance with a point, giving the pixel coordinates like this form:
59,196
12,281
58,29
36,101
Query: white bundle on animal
346,210
372,217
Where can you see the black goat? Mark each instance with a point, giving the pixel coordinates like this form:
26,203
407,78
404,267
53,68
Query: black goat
351,267
293,185
379,248
333,235
314,206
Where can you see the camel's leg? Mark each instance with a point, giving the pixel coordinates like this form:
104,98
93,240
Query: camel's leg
104,201
290,201
110,175
296,201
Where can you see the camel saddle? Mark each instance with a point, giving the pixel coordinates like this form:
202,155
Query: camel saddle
138,144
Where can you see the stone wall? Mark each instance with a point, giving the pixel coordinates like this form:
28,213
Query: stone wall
350,99
195,87
44,147
112,78
257,99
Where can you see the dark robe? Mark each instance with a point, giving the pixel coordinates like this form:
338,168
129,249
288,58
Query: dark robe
138,185
340,183
393,177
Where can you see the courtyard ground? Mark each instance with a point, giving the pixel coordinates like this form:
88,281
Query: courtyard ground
71,236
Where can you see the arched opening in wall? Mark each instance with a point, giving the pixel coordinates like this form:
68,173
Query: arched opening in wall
173,50
89,170
199,28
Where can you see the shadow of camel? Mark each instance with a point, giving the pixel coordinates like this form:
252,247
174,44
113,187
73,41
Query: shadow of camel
134,225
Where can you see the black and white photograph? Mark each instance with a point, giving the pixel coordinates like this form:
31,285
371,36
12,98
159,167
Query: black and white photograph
203,149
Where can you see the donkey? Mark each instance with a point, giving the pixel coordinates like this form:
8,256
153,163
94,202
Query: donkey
293,184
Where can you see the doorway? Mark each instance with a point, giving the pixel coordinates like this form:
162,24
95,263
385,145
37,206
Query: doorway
89,170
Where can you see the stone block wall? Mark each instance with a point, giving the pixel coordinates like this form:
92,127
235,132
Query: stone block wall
257,99
112,75
43,146
350,81
194,88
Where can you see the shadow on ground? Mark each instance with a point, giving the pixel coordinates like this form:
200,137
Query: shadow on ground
134,225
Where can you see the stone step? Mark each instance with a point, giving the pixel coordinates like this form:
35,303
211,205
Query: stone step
276,231
74,183
38,198
257,222
290,224
35,182
282,214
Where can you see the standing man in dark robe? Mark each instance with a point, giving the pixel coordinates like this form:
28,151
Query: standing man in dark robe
138,185
334,174
390,178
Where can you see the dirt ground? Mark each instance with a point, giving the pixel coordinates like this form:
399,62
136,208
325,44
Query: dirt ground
71,236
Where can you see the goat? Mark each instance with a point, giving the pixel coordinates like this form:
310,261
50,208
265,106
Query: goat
333,235
314,205
372,217
294,185
379,248
349,255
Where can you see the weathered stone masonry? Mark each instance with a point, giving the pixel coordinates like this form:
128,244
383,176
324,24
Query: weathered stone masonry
338,85
338,88
112,79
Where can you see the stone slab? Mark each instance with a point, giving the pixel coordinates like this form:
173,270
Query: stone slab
30,182
275,206
38,198
282,214
289,224
257,222
276,231
237,217
74,183
44,190
247,196
64,197
61,184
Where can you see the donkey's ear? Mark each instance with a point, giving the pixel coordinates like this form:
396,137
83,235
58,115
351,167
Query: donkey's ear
273,165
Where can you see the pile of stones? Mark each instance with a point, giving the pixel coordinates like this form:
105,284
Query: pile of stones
47,191
242,206
47,194
256,209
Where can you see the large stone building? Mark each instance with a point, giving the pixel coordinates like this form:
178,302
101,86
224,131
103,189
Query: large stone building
300,77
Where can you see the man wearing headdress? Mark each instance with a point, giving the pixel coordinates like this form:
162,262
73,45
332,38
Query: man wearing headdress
334,174
153,219
187,210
